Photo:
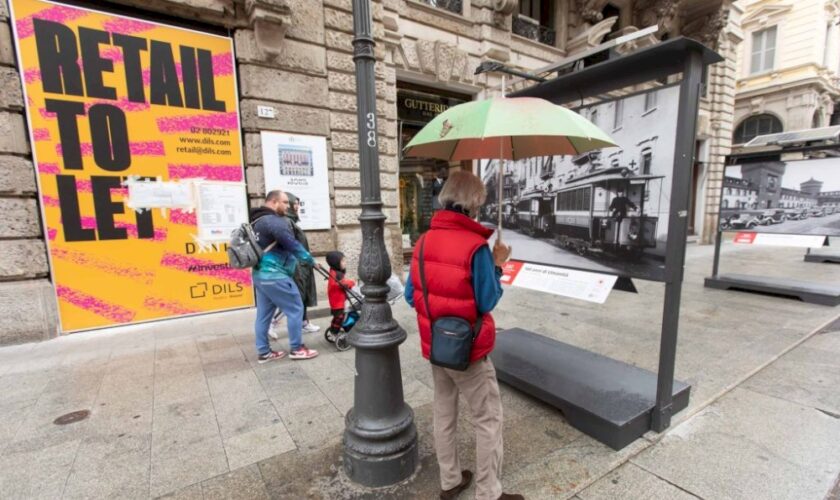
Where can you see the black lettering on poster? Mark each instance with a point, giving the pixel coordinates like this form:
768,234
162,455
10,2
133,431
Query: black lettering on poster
72,63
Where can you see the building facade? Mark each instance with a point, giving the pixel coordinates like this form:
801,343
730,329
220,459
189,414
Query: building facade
295,56
788,67
739,194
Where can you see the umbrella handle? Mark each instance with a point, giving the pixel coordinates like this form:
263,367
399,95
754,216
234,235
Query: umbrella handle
499,197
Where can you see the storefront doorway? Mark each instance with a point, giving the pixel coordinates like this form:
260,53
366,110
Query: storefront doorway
417,106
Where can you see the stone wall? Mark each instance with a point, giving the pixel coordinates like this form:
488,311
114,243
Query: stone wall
26,296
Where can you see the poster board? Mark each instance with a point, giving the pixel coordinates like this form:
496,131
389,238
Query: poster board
111,98
800,197
297,164
606,211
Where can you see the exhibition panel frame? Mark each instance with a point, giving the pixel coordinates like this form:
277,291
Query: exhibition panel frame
608,399
766,197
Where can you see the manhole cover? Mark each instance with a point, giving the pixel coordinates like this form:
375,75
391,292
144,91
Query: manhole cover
72,417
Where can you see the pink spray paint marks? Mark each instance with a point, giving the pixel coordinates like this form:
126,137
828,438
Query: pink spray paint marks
41,134
113,312
127,26
49,168
226,121
88,261
206,268
58,14
168,306
183,218
210,172
141,148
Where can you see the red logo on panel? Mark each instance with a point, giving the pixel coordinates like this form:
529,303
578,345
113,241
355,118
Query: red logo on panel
745,238
510,270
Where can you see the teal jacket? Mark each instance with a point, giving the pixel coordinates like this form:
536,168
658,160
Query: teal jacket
281,261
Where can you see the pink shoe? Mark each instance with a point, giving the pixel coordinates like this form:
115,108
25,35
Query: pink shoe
303,353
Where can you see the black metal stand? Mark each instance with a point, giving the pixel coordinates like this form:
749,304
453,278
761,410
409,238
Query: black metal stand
812,293
613,401
380,439
822,258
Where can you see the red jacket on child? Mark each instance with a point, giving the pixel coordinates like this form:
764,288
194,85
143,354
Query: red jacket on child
335,293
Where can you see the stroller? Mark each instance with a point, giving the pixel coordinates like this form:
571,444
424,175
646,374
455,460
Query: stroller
353,308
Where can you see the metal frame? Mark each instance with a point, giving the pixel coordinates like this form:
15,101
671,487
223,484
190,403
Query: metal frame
812,293
680,55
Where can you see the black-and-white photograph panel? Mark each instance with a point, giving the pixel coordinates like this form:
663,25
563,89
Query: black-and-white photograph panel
604,211
790,197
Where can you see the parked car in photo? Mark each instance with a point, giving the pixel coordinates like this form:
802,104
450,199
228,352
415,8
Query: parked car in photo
817,212
771,216
743,221
796,214
830,210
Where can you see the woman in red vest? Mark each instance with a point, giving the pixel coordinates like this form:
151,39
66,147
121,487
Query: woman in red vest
462,279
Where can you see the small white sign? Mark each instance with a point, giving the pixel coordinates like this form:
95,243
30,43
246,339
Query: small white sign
583,285
266,112
159,194
222,207
781,240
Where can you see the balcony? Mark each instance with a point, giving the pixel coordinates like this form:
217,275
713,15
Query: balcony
531,29
455,6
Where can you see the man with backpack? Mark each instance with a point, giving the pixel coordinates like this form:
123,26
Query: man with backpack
274,277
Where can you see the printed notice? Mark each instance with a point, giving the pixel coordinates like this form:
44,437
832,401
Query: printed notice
159,194
221,209
780,240
297,164
583,285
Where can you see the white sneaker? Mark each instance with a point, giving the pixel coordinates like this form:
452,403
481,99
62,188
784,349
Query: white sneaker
310,327
274,329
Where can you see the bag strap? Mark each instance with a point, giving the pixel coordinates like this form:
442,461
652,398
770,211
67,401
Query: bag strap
254,228
479,319
423,280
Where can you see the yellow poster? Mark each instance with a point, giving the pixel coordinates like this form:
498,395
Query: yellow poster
112,99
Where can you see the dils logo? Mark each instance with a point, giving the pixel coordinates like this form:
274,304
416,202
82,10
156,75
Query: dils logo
203,289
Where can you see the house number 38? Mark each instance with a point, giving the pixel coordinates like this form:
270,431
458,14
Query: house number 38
371,130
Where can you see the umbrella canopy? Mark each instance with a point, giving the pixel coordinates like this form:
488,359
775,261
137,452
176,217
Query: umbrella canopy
507,129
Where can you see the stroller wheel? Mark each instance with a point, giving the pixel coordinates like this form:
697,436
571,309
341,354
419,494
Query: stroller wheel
341,342
329,336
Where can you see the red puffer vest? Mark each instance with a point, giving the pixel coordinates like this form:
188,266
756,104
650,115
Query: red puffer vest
450,245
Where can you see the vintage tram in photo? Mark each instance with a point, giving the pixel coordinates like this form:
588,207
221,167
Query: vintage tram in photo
584,219
578,215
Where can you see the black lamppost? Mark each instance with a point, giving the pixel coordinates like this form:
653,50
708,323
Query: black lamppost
380,439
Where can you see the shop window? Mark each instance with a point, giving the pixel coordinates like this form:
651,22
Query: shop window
754,126
763,55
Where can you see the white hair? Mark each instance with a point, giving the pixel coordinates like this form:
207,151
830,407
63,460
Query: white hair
465,189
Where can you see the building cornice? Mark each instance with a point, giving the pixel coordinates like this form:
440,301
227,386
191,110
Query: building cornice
763,14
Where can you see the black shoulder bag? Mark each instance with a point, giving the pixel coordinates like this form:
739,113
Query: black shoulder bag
452,337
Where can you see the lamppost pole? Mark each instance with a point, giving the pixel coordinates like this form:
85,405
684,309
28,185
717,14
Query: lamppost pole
380,439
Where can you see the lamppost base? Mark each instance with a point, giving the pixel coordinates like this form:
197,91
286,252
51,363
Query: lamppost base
376,463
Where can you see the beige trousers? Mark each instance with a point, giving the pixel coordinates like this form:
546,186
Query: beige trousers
479,387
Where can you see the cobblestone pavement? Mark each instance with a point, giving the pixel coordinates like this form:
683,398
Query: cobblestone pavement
182,409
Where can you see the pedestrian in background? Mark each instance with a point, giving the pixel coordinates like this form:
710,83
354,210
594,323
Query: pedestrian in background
462,279
304,274
274,277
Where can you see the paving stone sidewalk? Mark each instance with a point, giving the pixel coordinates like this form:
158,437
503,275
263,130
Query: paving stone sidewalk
182,409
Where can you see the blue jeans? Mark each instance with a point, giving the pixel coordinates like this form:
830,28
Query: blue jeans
282,294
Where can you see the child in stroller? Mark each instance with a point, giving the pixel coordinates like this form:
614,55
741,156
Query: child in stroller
346,299
345,303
